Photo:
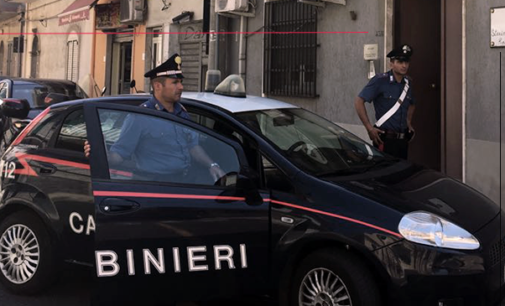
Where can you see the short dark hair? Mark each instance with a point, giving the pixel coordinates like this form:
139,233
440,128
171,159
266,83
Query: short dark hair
160,80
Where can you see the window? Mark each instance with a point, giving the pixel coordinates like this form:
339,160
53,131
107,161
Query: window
35,57
72,71
73,132
290,60
40,135
1,57
148,148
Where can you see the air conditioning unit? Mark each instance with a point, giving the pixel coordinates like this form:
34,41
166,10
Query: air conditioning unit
231,6
131,11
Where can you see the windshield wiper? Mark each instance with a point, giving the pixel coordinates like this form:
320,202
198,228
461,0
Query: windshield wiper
361,168
382,162
346,171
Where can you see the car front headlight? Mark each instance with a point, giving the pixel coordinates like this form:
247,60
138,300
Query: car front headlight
429,229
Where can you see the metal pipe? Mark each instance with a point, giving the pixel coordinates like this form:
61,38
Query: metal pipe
242,49
20,42
212,65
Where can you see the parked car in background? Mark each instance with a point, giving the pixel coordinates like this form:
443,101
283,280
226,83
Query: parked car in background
40,93
36,90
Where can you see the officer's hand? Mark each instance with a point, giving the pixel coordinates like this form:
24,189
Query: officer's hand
216,173
374,134
87,149
412,132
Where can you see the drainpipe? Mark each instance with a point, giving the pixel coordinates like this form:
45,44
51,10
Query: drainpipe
242,49
20,42
213,37
213,76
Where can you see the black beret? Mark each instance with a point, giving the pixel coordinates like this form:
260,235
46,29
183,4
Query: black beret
170,69
404,52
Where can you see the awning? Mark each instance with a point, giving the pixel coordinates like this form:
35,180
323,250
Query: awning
75,12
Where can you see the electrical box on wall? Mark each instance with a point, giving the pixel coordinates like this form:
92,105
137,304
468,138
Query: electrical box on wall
132,11
231,6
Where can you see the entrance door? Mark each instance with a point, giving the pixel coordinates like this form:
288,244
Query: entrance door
411,27
125,68
121,58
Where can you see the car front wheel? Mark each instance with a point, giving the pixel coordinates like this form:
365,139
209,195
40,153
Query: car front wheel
334,277
27,261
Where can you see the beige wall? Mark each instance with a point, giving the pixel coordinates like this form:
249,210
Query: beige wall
139,46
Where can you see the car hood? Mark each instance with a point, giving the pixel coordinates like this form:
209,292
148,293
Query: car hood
408,188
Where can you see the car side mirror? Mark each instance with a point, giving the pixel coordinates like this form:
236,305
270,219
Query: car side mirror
133,84
246,185
15,108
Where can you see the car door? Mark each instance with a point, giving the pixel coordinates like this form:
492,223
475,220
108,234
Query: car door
161,238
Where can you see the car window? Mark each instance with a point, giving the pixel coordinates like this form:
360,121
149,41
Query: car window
72,133
41,134
3,90
36,93
314,144
148,148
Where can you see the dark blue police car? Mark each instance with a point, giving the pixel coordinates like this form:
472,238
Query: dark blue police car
307,213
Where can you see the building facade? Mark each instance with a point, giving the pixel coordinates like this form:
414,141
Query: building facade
455,71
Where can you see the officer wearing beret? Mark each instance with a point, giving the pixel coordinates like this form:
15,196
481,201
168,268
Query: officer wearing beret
391,95
172,151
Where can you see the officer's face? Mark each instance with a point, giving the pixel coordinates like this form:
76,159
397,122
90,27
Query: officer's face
400,67
171,90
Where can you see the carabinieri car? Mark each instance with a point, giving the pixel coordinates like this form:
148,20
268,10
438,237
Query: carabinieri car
307,213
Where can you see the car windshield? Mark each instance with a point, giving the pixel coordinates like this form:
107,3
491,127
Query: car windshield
314,144
35,93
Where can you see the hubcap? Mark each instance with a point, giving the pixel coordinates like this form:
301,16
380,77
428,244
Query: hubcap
322,287
19,254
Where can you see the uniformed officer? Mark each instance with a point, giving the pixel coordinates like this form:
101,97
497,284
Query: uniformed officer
393,102
156,149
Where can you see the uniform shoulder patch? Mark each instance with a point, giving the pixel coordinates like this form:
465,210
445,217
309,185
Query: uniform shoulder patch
382,75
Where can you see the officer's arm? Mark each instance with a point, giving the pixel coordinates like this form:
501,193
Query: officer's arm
114,159
199,154
373,132
410,114
359,104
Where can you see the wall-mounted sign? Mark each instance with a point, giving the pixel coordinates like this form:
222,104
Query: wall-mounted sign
371,52
74,17
498,27
107,16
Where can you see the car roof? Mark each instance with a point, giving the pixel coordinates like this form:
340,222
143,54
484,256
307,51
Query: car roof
237,104
230,104
25,81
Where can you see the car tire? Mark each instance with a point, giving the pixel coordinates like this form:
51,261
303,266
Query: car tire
27,256
333,277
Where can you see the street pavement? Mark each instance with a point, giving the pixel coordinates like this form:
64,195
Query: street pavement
74,287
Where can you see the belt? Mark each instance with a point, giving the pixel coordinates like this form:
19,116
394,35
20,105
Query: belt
394,135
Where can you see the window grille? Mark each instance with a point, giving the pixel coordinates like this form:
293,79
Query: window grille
1,57
290,59
72,60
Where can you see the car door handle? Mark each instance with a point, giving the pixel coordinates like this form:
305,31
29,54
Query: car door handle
113,205
47,169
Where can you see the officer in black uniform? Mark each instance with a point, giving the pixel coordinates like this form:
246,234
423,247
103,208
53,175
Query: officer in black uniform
391,94
166,81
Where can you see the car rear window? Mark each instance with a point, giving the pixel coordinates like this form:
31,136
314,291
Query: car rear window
35,93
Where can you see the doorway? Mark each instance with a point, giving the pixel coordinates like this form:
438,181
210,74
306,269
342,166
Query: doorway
121,64
410,27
